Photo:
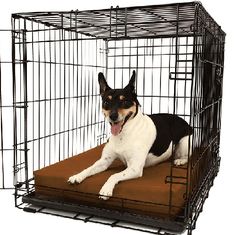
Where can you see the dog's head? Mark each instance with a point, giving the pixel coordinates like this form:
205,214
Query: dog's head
118,105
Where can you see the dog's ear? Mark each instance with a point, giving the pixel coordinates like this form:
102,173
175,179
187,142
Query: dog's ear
131,85
103,84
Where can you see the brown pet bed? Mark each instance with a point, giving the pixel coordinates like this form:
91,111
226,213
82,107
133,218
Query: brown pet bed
149,195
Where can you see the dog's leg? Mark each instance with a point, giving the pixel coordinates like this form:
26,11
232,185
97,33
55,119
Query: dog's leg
134,170
102,164
152,159
183,150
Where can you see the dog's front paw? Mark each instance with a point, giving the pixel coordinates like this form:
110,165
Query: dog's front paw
106,191
180,162
78,178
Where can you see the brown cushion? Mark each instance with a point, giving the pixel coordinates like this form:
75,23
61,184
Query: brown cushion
148,195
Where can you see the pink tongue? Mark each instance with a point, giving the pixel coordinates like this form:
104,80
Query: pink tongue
115,128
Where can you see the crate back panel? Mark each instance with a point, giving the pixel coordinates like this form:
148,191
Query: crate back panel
164,71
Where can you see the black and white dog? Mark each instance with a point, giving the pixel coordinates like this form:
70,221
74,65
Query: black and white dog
138,140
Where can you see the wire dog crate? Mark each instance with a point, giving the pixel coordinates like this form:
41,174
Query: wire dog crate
177,51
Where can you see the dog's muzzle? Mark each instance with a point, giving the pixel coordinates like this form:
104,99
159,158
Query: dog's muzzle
113,116
116,127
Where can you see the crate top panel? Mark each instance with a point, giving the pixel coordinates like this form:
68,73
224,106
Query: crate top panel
167,20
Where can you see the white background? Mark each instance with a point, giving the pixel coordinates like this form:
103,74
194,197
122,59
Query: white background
219,210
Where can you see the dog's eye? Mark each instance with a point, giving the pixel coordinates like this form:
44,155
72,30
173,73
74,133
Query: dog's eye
105,103
126,104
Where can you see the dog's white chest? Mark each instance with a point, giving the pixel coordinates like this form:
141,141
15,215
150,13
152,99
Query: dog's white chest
122,148
137,136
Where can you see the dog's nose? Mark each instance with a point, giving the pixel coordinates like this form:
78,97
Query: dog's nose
114,116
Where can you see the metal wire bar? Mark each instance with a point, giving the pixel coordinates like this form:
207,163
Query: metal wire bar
174,108
1,130
14,109
39,106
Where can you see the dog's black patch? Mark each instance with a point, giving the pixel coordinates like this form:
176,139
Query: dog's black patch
169,128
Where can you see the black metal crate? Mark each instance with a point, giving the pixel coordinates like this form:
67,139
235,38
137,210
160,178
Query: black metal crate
177,51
